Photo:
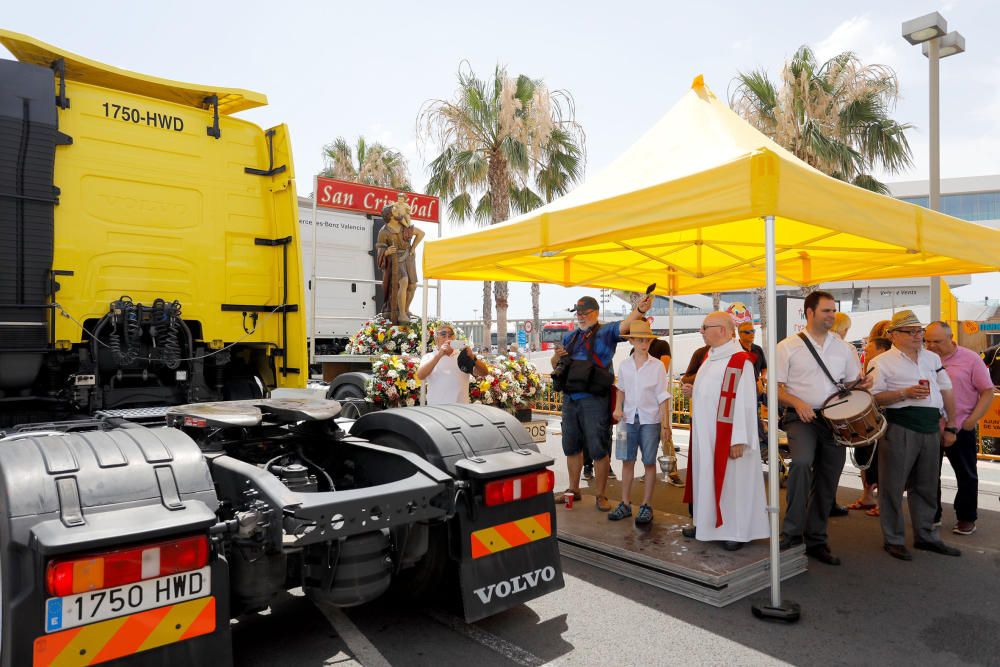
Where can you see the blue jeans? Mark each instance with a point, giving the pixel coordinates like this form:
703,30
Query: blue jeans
643,438
586,423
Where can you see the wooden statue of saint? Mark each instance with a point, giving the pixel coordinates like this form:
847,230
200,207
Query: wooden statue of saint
396,253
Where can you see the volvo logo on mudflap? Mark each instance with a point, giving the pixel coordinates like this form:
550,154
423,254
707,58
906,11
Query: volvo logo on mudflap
517,584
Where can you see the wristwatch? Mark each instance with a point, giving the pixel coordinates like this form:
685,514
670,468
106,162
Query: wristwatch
951,429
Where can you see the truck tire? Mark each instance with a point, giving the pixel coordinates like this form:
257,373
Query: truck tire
434,576
347,391
429,580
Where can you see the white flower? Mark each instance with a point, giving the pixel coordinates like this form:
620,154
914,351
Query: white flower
411,383
393,374
410,402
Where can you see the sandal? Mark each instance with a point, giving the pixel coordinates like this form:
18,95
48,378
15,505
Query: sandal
645,515
873,512
623,511
858,505
561,498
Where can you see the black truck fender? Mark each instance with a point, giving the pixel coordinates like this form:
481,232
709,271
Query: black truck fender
477,444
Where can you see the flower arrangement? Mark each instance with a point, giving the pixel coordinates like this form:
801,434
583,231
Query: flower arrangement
380,336
394,381
512,382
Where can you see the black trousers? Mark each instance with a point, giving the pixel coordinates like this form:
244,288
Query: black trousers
962,457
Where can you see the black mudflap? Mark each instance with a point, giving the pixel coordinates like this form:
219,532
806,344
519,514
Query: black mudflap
509,555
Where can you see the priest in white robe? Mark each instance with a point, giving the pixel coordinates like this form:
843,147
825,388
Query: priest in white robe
725,480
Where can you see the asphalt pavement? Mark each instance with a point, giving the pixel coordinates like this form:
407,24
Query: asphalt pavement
872,610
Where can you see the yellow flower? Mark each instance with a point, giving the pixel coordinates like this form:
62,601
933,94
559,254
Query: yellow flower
484,386
381,336
503,384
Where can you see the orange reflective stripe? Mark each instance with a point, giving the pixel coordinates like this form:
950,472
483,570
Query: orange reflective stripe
203,624
512,534
131,634
118,637
478,548
50,646
175,623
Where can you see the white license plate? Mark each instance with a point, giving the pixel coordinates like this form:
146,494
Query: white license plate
93,606
536,430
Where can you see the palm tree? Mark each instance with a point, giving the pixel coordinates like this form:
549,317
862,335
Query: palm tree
368,163
834,116
498,137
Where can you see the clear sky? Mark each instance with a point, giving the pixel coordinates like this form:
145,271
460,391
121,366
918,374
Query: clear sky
343,69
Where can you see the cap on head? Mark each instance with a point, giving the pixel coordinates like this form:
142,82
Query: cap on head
903,318
584,304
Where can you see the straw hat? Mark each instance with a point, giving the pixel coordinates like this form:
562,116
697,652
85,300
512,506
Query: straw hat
904,318
640,329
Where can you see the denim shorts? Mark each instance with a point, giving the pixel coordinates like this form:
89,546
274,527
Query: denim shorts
643,438
586,422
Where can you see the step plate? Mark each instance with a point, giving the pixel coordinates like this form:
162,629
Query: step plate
660,556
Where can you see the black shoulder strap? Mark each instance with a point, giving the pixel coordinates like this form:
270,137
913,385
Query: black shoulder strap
809,346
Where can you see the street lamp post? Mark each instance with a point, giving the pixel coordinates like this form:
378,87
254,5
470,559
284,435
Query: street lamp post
931,30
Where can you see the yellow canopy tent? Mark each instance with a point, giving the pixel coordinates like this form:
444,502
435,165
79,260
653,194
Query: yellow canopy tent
703,202
687,199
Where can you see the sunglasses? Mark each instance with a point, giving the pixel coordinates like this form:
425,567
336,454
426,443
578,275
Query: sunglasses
748,332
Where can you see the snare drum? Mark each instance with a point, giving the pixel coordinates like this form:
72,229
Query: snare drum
855,418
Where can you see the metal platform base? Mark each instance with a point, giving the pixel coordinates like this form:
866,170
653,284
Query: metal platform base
659,555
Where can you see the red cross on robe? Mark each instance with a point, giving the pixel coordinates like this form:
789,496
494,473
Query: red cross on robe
723,429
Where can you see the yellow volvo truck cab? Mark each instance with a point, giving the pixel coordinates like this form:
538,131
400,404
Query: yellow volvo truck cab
148,241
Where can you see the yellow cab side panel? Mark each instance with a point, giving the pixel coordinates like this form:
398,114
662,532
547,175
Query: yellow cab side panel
151,206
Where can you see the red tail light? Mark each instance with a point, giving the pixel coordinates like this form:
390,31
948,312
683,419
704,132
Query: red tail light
517,488
125,566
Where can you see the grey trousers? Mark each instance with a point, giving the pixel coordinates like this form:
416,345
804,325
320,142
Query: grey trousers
812,479
908,460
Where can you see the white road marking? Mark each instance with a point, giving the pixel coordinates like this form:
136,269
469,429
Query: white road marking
512,652
364,651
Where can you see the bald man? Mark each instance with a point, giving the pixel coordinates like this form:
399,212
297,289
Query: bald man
725,483
972,389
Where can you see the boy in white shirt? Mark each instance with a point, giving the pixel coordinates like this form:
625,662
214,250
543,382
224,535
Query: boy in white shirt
640,407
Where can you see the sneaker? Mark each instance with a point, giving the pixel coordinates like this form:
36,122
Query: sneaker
588,472
611,473
964,528
602,504
645,515
673,479
623,511
936,524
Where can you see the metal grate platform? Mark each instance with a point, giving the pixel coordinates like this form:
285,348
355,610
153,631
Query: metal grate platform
660,556
135,414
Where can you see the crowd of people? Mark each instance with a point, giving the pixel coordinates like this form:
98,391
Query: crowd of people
931,393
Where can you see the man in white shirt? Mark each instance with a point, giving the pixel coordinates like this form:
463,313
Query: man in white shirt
912,385
640,408
803,387
446,382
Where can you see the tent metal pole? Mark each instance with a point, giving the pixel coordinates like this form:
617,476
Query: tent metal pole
423,336
778,609
670,375
772,416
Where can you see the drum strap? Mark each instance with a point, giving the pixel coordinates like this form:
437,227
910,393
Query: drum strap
819,360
